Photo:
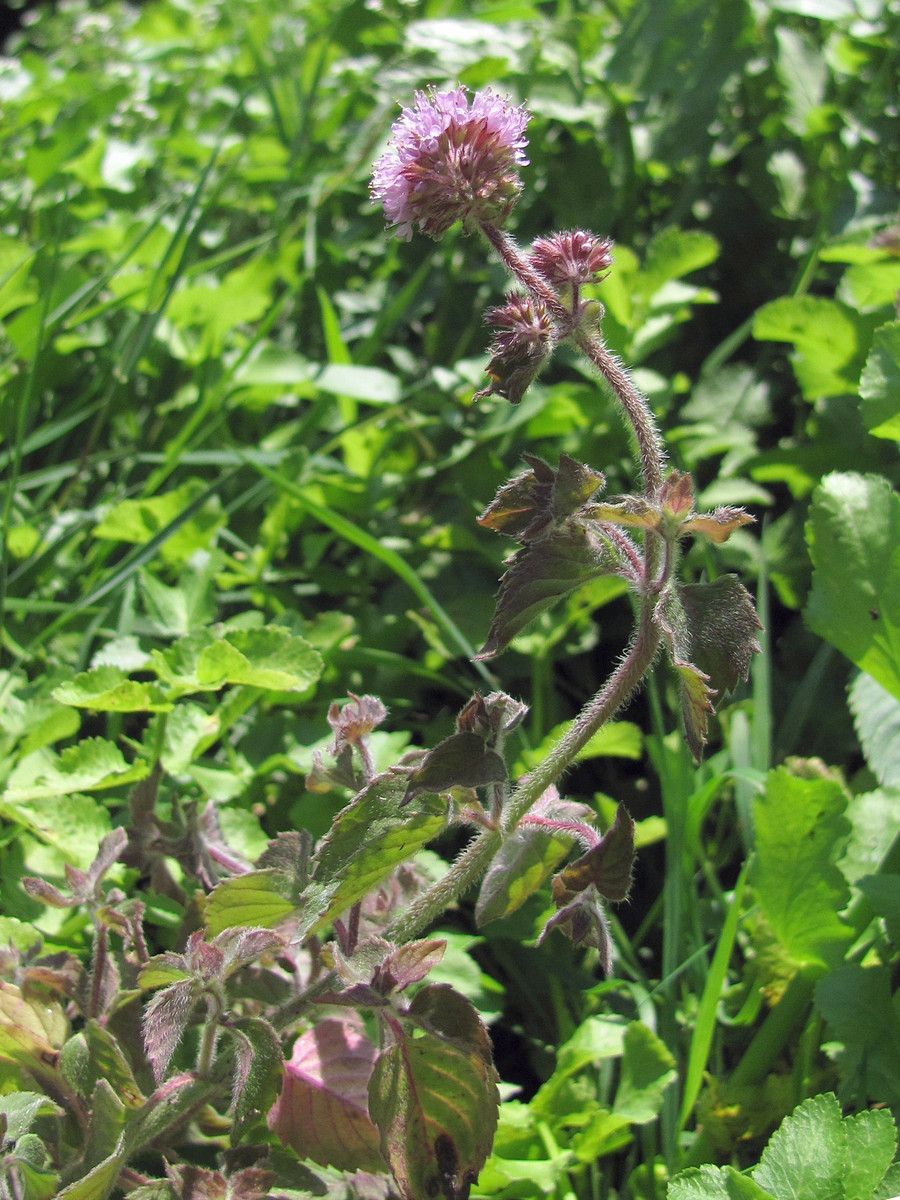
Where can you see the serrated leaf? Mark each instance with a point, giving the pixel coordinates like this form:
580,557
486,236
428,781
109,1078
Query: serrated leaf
137,521
165,1020
367,839
256,898
648,1068
722,630
75,828
853,535
871,1146
714,1183
806,1156
800,830
408,964
435,1104
272,658
876,718
540,574
90,765
606,866
257,1071
879,386
108,689
322,1111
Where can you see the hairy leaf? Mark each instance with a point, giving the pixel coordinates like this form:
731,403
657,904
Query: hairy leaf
165,1020
322,1111
606,866
540,574
461,760
367,839
257,1068
434,1101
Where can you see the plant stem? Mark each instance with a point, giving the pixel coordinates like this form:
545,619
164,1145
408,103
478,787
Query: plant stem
521,268
474,860
635,406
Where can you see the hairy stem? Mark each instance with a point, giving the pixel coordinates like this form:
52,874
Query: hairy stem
474,860
635,407
518,265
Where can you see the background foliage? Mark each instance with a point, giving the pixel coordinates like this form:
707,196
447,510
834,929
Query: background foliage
235,414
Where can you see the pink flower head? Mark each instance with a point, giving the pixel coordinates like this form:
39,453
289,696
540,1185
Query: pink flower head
572,258
449,160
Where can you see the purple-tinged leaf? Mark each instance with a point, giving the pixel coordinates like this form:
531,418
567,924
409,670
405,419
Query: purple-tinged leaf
540,574
527,857
583,920
696,706
322,1111
354,721
521,508
461,760
573,487
165,1020
435,1101
39,889
606,866
408,964
241,945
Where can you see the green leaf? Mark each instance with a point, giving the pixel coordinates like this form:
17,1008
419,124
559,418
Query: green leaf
22,1108
879,386
271,658
858,1005
829,339
137,521
257,898
853,535
368,838
806,1156
258,1070
800,830
99,1182
461,760
434,1100
526,858
540,574
871,1146
606,866
876,718
370,384
675,252
108,1062
75,828
648,1068
91,765
722,628
108,689
714,1183
107,1123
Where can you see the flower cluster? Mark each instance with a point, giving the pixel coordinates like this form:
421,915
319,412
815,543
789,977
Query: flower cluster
450,160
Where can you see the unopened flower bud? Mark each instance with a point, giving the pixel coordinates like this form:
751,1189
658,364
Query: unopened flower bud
522,343
571,258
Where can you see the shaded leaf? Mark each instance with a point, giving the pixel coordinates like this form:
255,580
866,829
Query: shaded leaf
880,384
606,866
540,574
408,964
648,1068
165,1020
257,1069
853,535
461,760
876,718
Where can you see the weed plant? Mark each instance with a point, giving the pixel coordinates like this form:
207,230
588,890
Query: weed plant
309,834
